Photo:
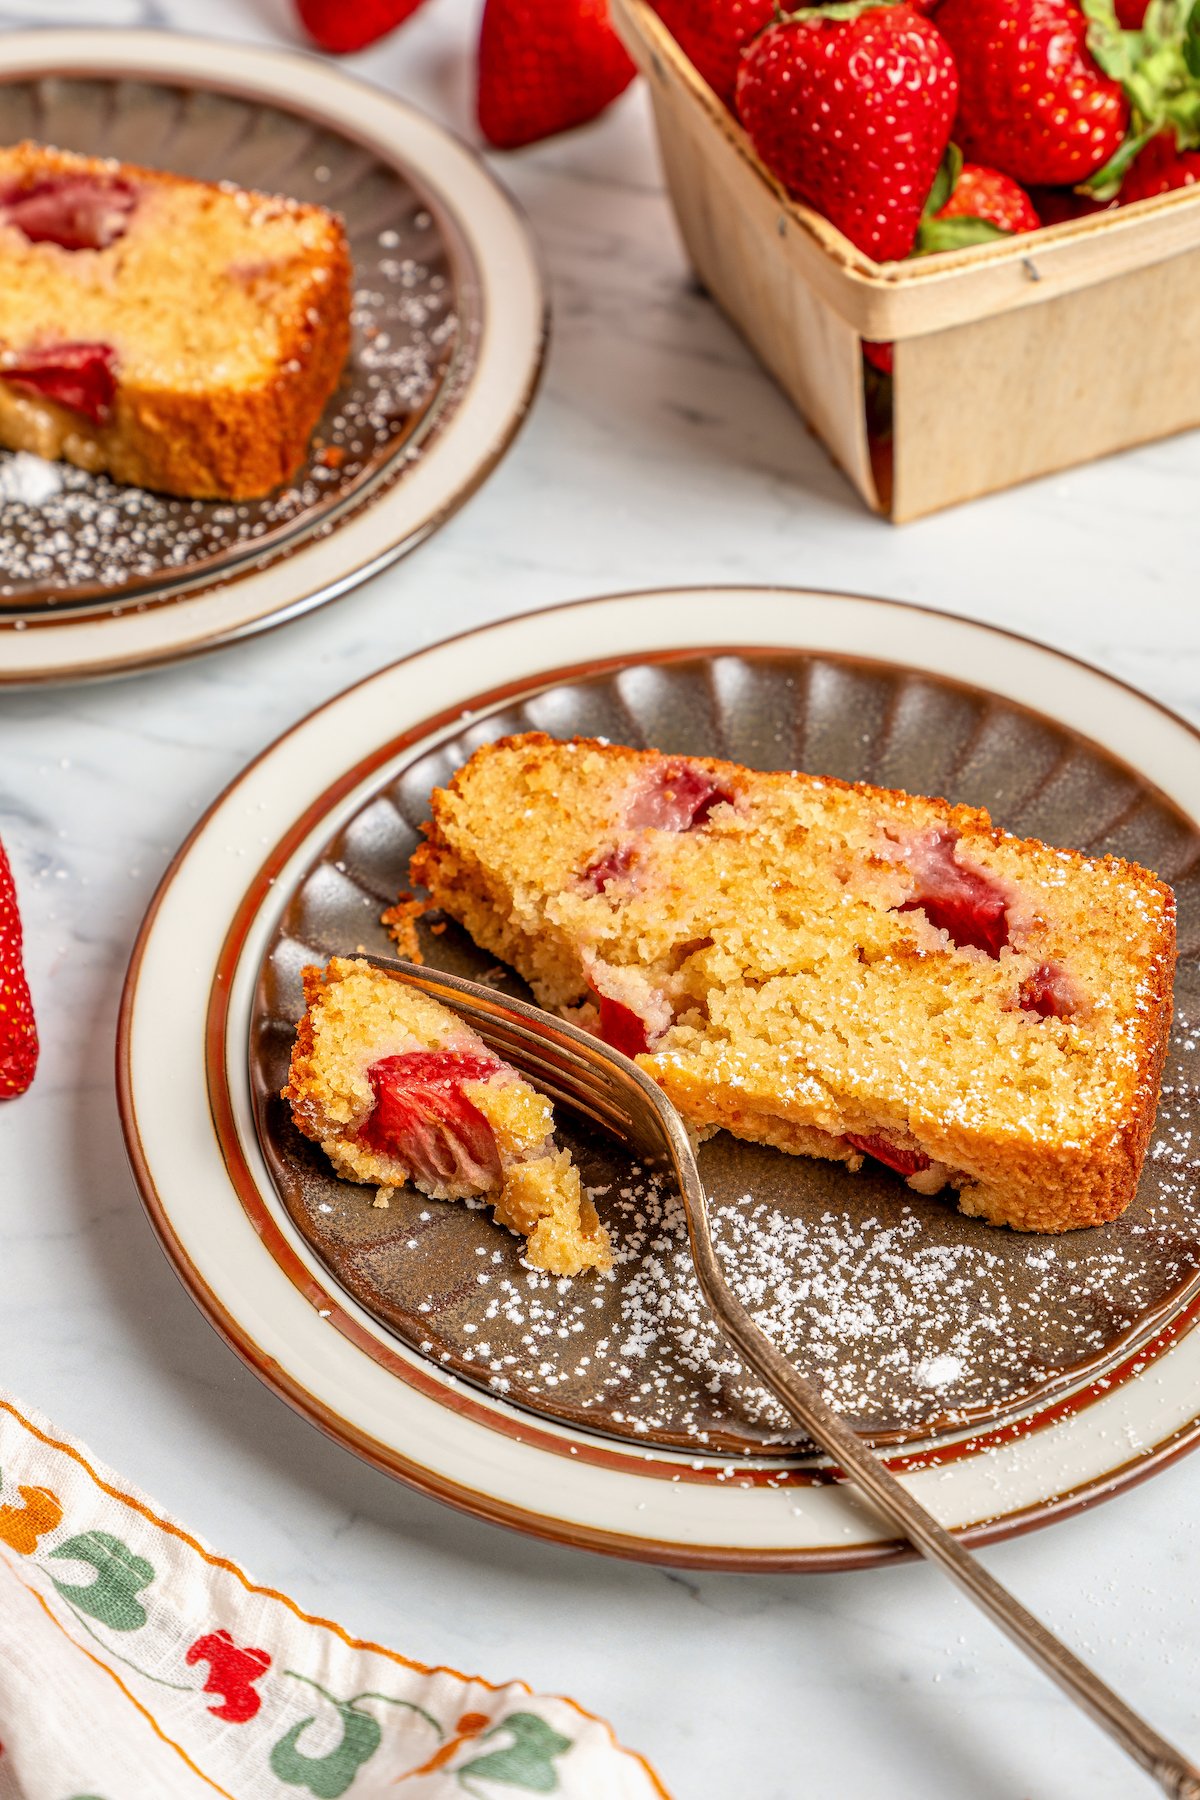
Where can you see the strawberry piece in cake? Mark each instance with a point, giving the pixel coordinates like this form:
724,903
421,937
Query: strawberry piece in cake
396,1089
174,334
844,972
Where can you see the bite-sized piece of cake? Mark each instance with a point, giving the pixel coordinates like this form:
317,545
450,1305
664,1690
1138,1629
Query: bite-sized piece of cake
395,1088
174,334
839,971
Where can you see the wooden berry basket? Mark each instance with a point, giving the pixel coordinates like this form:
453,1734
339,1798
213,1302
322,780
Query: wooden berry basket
1012,359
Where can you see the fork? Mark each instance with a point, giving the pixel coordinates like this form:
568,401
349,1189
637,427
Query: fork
571,1066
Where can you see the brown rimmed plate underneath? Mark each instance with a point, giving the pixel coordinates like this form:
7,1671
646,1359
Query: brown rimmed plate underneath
964,1344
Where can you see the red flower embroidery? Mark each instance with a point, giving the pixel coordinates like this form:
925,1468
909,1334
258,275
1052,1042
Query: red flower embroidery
232,1669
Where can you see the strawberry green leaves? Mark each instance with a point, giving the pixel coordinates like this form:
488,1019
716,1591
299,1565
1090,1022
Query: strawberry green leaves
1158,67
956,234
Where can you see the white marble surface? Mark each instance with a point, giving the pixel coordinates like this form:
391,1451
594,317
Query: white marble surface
657,454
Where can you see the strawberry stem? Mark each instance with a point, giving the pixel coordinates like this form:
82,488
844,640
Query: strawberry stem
1158,67
944,182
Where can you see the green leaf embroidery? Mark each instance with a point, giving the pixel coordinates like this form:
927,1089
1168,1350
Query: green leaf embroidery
525,1763
330,1775
120,1574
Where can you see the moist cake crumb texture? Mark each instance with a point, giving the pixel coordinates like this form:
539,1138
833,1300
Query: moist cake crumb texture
838,971
396,1088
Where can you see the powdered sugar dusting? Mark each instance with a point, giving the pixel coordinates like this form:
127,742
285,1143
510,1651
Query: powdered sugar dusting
899,1325
909,1315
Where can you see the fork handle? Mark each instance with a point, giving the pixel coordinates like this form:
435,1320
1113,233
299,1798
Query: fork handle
1173,1772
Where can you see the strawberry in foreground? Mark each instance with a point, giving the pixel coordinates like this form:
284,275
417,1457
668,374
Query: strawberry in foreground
1034,100
346,25
713,34
545,66
851,107
18,1032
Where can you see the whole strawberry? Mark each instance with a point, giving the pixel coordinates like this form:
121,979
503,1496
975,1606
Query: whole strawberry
713,33
990,199
969,205
1034,101
345,25
546,65
18,1033
1160,168
851,107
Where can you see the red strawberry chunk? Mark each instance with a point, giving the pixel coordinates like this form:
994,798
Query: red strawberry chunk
612,866
677,797
18,1030
80,377
1050,992
893,1156
423,1118
621,1027
964,902
77,212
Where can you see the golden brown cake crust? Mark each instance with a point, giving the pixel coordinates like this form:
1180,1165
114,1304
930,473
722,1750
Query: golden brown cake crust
1072,1163
224,439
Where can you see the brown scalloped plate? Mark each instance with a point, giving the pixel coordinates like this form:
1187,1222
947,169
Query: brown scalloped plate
919,1320
448,329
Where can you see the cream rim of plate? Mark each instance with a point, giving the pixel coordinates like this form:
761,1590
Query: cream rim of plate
414,1420
514,327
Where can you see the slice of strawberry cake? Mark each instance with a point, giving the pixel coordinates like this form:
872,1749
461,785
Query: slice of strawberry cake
176,334
843,972
395,1088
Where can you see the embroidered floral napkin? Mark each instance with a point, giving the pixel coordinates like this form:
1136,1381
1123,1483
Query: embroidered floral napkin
137,1665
